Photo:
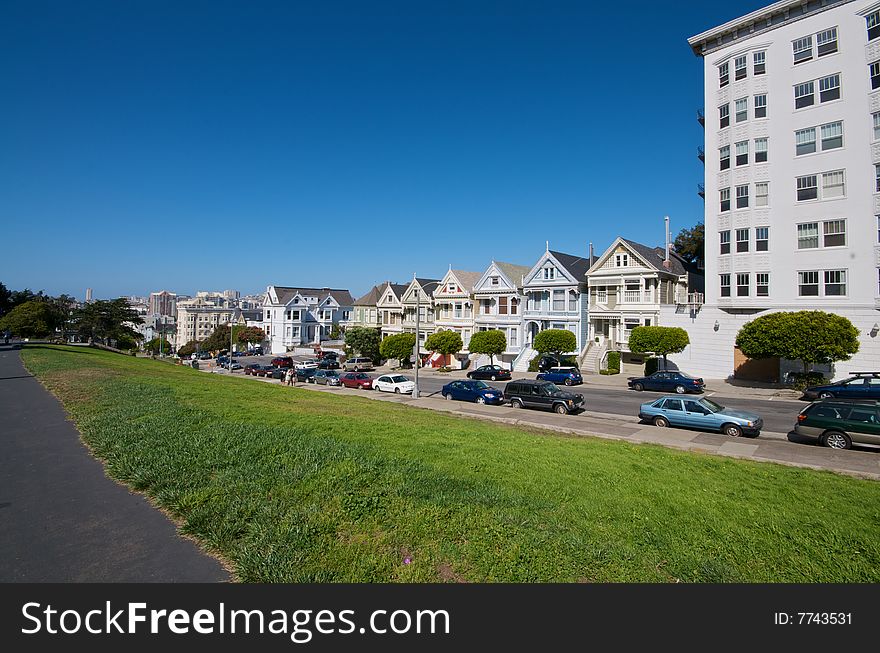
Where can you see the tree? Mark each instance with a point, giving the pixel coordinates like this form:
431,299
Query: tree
335,331
658,340
33,319
363,341
811,337
492,343
399,346
555,342
5,295
444,342
107,320
158,345
690,243
219,339
249,335
188,349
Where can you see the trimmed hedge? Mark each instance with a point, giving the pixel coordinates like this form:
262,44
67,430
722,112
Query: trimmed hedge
802,381
614,361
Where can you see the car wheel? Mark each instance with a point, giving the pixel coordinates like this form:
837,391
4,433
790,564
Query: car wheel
836,440
826,395
661,421
568,381
469,375
492,378
560,409
397,391
680,389
447,397
732,430
356,368
515,403
638,387
480,400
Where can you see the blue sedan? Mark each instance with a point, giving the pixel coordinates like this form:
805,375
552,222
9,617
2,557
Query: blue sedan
476,391
566,375
664,381
865,385
703,414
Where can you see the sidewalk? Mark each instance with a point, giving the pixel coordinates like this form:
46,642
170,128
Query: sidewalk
714,387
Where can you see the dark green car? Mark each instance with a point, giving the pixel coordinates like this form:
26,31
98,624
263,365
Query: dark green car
839,423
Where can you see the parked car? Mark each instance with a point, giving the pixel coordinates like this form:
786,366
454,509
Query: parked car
357,364
701,413
204,356
257,351
263,370
307,365
357,380
277,372
234,365
282,361
489,372
862,385
566,375
330,354
668,381
251,368
222,361
525,393
326,377
547,361
305,373
838,423
477,391
237,354
329,364
396,383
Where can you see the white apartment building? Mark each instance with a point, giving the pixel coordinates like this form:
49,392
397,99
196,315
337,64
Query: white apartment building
163,303
197,318
294,317
792,174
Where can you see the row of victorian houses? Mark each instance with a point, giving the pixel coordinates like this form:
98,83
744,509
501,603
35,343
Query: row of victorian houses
598,298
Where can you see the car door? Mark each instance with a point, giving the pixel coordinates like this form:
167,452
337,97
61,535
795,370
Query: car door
674,411
383,382
655,381
864,424
872,387
697,416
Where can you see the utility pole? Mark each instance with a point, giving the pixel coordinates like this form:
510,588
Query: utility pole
161,331
415,392
230,339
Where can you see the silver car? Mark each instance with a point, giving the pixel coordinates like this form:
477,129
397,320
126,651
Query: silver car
326,377
358,364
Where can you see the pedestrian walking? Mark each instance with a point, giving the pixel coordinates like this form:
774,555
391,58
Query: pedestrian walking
287,376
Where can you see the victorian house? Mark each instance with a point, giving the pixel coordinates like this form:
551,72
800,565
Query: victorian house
419,298
390,308
296,317
556,297
498,302
366,312
454,309
628,284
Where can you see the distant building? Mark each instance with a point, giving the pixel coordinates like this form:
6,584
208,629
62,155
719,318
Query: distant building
197,318
295,317
88,295
163,303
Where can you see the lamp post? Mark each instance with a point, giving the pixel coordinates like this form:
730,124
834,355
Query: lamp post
415,392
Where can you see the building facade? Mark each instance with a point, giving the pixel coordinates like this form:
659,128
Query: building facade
163,303
297,317
499,301
197,318
390,308
419,298
792,174
454,307
366,309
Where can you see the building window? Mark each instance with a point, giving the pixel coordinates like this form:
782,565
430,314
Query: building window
802,49
877,178
740,67
808,235
833,184
805,141
762,239
829,88
832,135
621,260
511,341
759,63
835,283
742,197
725,199
760,150
877,126
549,273
762,284
834,233
572,301
486,306
742,109
742,284
742,240
514,303
725,241
803,95
723,77
761,106
502,306
724,116
725,285
874,70
762,193
807,188
826,42
457,310
495,281
742,153
724,156
873,20
558,300
808,284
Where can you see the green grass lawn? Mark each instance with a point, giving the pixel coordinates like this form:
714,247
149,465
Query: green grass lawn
292,485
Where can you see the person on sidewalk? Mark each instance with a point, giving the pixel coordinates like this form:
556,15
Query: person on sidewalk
287,376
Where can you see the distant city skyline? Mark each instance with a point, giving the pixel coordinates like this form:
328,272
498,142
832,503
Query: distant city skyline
338,146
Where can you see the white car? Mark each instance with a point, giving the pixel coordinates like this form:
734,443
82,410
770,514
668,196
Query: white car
394,383
306,365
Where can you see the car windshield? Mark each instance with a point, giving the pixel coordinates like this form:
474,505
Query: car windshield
686,376
479,385
711,405
551,389
399,379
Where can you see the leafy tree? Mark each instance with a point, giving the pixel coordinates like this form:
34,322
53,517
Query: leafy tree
363,341
554,342
188,349
811,337
690,243
658,340
5,296
158,345
105,320
249,335
399,346
125,341
219,339
335,331
444,342
33,319
492,343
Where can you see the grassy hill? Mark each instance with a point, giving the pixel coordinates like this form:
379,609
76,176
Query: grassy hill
291,485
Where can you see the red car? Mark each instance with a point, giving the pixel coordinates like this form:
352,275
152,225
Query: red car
357,380
282,361
252,368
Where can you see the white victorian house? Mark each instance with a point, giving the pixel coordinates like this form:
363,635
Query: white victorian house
419,297
628,284
295,317
556,297
454,308
390,308
499,302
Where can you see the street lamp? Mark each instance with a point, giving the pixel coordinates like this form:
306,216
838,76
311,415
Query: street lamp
415,392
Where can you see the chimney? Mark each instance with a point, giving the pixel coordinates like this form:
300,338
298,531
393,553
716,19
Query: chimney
591,253
666,260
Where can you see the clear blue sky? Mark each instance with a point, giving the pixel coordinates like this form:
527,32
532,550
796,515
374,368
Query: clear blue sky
337,143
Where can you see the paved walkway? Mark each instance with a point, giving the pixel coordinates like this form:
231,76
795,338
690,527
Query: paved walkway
61,518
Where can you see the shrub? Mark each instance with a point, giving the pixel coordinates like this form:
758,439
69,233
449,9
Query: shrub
802,381
533,364
614,361
609,372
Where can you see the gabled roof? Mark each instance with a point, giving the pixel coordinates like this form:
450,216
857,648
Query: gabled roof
577,266
397,288
342,297
428,285
512,271
655,256
372,297
467,279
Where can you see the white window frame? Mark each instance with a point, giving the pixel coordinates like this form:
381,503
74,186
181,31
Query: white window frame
829,190
802,49
760,106
806,182
742,196
759,59
742,244
762,238
724,283
723,74
873,24
835,131
741,109
740,277
807,234
724,196
724,114
724,155
742,153
804,90
744,68
621,260
833,228
762,148
830,84
836,277
876,117
762,198
826,37
809,278
762,280
724,239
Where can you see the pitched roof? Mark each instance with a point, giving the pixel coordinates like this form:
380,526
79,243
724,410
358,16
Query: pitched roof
372,297
467,279
512,271
655,256
576,265
342,297
428,285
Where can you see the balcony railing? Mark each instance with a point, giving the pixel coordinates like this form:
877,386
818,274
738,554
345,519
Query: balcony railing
637,297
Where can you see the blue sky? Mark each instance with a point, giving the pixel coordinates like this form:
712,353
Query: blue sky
210,145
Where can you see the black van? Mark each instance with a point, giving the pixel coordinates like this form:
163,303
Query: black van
525,393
